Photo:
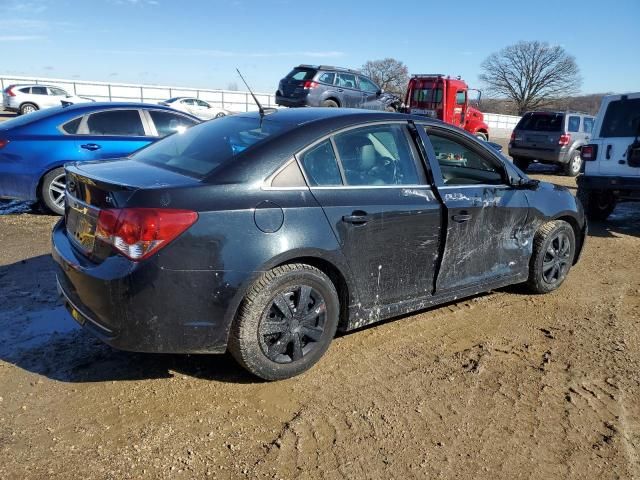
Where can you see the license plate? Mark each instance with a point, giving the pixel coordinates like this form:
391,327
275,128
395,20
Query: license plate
81,229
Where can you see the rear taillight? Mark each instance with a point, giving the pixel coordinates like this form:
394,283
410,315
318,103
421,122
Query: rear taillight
9,91
588,153
309,85
3,143
513,136
565,138
137,233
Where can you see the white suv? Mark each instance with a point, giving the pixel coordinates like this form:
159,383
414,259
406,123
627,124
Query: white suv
29,98
612,158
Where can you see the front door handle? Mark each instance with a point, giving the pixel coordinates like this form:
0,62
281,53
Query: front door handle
608,155
91,146
357,218
461,218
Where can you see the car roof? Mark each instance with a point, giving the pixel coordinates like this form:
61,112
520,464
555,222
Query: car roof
558,112
300,116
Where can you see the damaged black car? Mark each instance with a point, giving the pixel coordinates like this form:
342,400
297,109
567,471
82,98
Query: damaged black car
264,234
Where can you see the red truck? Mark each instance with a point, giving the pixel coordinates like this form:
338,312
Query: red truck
447,99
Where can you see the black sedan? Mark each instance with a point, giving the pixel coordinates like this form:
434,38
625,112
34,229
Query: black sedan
264,234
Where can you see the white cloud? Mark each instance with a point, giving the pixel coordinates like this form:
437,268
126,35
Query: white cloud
198,52
20,38
30,7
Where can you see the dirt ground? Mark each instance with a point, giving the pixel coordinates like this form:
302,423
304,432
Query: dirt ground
503,385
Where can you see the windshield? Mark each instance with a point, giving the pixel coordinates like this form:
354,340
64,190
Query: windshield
541,122
622,119
201,149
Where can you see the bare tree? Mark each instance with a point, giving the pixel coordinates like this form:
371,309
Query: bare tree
531,74
390,74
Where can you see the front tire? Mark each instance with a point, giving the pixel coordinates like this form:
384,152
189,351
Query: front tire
286,322
573,166
52,191
554,248
28,108
220,115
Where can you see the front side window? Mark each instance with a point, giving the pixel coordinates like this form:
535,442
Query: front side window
622,119
321,165
327,77
202,104
587,125
377,155
126,123
58,92
460,164
574,124
39,90
346,80
461,97
367,85
167,123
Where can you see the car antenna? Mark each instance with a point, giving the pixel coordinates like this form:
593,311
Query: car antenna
261,109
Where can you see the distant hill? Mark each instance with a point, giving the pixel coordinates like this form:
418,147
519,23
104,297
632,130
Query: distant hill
582,103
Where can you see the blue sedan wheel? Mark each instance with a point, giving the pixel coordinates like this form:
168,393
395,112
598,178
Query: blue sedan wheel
52,192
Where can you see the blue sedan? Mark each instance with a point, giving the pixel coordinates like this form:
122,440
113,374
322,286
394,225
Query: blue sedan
34,148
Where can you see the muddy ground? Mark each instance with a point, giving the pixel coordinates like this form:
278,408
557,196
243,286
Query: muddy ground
503,385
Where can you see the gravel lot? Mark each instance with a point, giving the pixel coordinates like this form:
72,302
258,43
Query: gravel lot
501,385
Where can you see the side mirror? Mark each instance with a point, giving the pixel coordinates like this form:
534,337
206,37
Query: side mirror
379,92
524,183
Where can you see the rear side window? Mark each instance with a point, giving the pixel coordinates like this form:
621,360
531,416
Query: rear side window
622,119
39,90
321,165
72,126
327,77
377,155
202,149
25,90
541,122
301,74
116,122
346,80
167,123
587,125
574,124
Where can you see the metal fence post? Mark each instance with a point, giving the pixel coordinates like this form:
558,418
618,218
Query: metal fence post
141,95
222,98
109,86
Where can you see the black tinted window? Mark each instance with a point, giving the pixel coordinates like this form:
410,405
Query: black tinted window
301,74
39,90
205,147
72,126
378,155
26,90
168,123
321,165
116,122
541,122
574,124
622,119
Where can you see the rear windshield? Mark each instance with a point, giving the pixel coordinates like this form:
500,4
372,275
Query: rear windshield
301,74
427,95
622,119
201,149
541,122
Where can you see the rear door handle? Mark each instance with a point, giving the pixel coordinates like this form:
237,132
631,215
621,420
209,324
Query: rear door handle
461,218
357,218
91,146
608,152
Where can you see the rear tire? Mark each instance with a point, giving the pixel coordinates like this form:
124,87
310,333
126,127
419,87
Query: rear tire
597,204
220,115
330,104
521,163
286,322
573,166
28,108
52,191
554,248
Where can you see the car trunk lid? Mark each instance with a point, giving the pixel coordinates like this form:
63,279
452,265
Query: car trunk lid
293,83
539,130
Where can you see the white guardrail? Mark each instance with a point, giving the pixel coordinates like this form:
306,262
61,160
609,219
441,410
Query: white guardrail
126,92
235,101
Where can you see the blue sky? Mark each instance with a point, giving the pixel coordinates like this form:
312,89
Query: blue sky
198,43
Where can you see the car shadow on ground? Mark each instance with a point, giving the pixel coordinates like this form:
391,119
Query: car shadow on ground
625,220
38,335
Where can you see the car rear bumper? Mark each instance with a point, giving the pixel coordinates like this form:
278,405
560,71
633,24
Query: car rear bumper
137,307
626,186
292,102
560,155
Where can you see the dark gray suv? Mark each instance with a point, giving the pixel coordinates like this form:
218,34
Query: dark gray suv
325,86
551,137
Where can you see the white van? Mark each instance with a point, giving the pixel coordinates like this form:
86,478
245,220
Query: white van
612,158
